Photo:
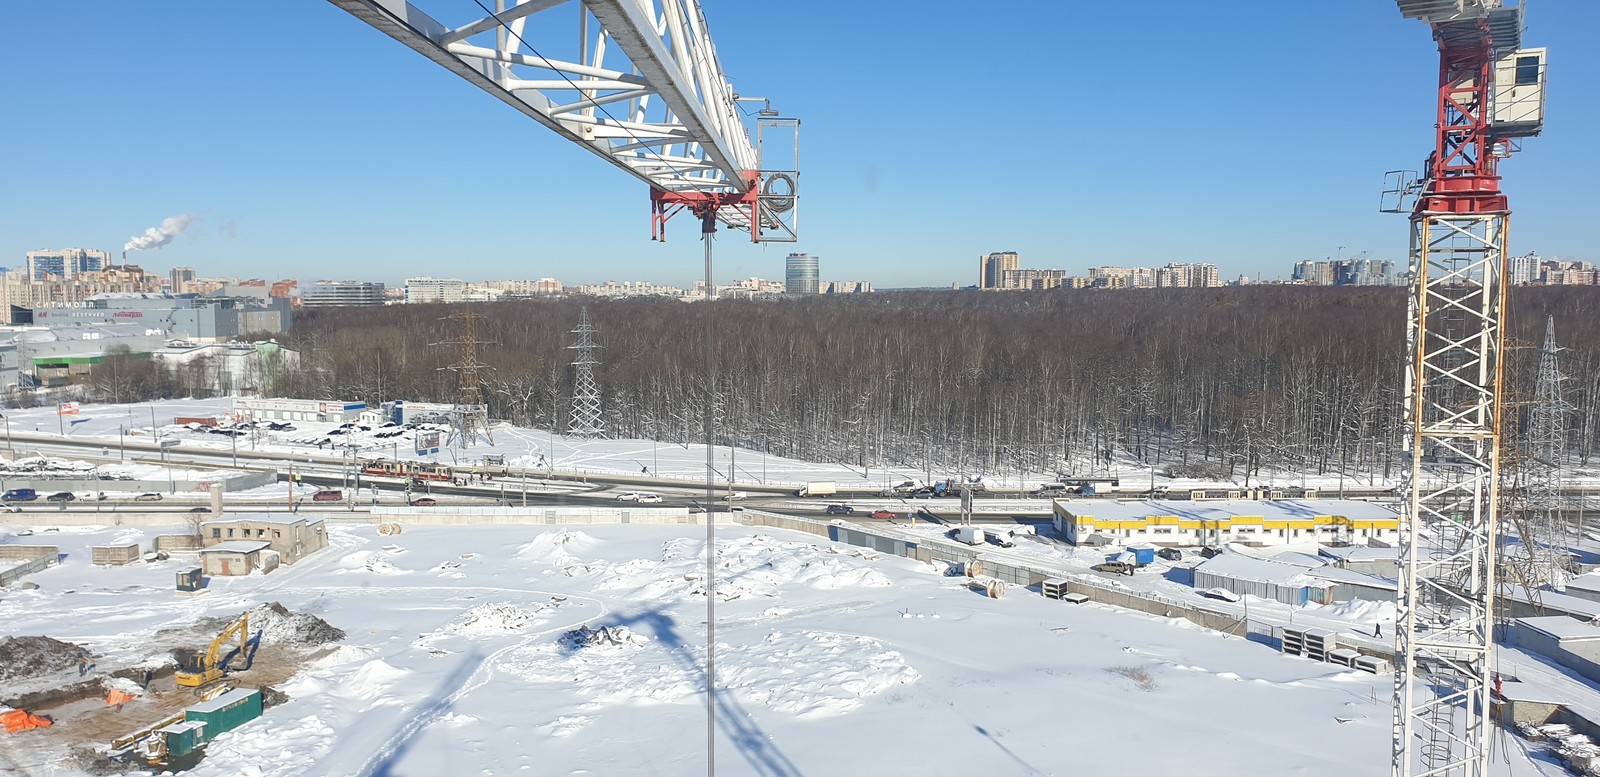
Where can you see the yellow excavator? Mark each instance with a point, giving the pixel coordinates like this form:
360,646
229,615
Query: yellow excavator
208,667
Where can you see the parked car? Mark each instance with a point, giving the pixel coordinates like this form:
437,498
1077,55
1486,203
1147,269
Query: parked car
60,496
1170,554
628,496
424,501
882,515
1221,594
649,498
328,495
841,510
21,495
1114,567
148,496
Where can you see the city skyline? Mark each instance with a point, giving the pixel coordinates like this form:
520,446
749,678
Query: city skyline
273,178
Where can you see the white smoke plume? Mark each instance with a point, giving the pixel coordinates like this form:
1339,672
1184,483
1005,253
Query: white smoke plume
156,237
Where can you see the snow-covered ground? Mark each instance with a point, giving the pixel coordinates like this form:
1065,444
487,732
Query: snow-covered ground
461,659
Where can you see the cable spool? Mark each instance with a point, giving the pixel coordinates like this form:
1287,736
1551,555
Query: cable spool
974,568
996,588
383,529
775,201
395,528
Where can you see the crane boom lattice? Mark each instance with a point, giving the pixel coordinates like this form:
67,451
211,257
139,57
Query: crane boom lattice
642,89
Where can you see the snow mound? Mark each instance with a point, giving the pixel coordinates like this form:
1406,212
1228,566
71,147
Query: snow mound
557,547
345,654
495,619
370,561
605,636
566,725
372,680
1361,611
807,673
747,567
289,746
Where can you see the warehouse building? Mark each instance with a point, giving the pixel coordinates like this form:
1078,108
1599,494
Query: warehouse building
1292,578
1568,641
291,537
1254,523
320,410
1382,562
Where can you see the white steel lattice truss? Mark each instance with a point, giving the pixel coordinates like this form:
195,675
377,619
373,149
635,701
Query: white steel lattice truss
1447,585
642,88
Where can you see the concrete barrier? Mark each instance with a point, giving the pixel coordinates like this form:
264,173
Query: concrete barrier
33,557
538,516
235,481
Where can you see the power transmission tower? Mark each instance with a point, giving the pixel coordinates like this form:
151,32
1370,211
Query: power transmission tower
1546,447
585,421
471,417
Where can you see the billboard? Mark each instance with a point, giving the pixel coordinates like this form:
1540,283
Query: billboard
427,443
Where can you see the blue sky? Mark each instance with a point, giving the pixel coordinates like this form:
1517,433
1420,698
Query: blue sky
1248,134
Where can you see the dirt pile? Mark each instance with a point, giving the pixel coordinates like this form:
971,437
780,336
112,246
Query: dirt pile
279,626
22,658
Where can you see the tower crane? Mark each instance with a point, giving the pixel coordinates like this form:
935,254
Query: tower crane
642,89
1490,95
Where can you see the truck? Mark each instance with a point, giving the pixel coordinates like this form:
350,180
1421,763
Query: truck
818,488
20,495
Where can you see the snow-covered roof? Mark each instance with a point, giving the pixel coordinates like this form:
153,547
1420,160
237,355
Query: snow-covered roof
223,700
237,546
1517,691
1588,582
282,518
1361,553
1226,510
1336,575
1561,627
1551,600
1239,567
181,726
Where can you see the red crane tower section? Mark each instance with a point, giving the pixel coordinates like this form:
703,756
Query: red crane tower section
1461,175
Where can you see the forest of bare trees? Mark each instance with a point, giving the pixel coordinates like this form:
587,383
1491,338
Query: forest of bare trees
1223,380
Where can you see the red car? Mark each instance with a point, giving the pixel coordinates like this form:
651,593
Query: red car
882,515
426,501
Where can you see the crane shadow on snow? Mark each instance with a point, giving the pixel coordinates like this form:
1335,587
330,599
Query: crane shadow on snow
737,725
444,697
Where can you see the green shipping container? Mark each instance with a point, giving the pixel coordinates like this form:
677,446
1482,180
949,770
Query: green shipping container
184,738
226,712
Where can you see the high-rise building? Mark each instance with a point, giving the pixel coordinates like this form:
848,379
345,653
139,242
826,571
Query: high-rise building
65,264
1524,269
324,294
800,275
181,276
992,269
420,290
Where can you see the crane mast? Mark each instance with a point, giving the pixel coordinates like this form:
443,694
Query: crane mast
1490,93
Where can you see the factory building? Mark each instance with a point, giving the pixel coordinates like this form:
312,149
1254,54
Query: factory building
1255,523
